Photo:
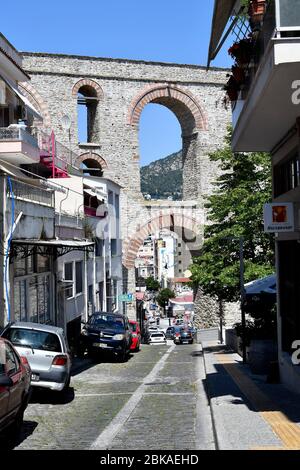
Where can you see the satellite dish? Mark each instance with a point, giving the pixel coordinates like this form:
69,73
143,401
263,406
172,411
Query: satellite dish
66,122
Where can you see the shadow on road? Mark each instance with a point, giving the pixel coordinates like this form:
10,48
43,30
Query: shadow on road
9,442
52,398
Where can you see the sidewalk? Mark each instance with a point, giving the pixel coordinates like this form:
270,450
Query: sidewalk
248,412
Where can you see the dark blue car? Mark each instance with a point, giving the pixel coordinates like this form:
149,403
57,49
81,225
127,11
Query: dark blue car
106,332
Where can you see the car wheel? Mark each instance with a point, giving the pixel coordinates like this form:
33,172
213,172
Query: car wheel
92,354
122,356
14,429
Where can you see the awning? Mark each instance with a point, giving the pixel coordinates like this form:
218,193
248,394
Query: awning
97,191
260,294
17,173
31,109
265,285
25,247
222,11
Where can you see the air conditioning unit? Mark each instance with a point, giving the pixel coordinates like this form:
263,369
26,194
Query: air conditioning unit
21,113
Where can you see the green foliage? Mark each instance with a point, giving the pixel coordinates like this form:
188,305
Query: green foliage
235,210
152,284
164,296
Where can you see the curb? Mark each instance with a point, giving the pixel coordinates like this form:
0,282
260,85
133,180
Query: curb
211,406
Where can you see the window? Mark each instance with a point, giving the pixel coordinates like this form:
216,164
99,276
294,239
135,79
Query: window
69,277
113,247
12,363
87,101
99,247
287,175
20,300
78,283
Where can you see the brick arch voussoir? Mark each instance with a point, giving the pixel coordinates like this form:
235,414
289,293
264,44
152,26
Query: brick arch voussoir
91,83
155,92
37,101
135,241
91,156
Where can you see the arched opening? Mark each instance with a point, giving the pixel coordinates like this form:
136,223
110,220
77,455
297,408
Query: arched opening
191,119
160,153
91,164
91,167
87,101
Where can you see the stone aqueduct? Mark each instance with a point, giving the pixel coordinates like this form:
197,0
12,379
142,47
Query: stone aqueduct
120,89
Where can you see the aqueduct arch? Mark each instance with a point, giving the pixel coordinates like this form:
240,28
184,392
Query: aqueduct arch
168,221
123,88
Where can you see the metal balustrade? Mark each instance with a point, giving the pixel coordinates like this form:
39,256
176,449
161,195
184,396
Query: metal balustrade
16,133
26,192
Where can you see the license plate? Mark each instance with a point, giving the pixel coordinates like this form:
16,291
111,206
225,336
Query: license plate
103,345
185,342
35,377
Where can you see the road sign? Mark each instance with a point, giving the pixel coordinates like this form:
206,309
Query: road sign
126,297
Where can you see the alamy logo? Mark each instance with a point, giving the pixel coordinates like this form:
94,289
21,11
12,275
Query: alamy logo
296,354
296,93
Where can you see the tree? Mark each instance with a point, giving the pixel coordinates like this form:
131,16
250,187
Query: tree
152,284
235,210
164,296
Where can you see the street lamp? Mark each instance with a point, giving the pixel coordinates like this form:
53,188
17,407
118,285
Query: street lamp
242,292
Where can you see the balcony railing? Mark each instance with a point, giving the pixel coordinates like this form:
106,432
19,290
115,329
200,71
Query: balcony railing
16,133
63,156
26,192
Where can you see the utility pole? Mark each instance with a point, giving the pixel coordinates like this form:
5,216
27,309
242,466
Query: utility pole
242,289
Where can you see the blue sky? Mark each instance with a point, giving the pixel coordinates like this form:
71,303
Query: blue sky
157,30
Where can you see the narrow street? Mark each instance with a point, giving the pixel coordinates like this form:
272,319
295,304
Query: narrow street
155,400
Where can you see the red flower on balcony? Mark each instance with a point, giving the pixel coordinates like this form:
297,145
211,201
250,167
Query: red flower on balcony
242,51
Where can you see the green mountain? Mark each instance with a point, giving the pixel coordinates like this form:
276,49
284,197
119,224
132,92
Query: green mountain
162,179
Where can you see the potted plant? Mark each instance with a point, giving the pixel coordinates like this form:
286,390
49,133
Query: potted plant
260,335
232,88
256,10
238,73
242,51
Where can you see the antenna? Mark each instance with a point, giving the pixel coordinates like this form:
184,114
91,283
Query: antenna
66,122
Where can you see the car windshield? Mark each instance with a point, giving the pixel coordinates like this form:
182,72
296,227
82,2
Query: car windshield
35,339
132,326
107,321
157,335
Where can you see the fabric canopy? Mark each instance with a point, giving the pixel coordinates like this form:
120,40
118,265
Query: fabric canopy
221,15
31,109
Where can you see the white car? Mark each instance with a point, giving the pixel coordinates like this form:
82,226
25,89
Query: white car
158,337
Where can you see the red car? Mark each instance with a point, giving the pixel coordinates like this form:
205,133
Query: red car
136,335
14,387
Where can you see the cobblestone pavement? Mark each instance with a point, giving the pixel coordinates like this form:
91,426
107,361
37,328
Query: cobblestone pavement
156,400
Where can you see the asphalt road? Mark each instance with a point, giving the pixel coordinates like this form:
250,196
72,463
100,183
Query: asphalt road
155,400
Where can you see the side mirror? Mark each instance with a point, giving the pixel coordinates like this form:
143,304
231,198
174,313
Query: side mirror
5,381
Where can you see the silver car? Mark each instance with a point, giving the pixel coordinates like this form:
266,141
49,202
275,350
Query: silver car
46,349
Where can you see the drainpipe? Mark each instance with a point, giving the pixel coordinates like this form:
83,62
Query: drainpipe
60,204
6,250
94,277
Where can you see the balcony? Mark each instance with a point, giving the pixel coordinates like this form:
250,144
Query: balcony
18,146
29,193
264,111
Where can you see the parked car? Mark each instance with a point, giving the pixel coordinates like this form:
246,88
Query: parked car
136,335
158,337
109,332
14,386
47,351
170,332
183,336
